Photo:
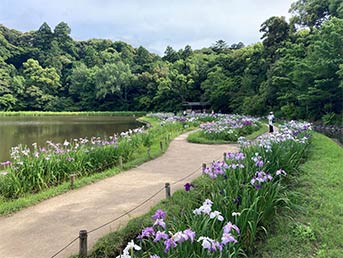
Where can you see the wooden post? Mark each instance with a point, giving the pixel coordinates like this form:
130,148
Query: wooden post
120,161
167,187
161,145
83,243
203,167
149,154
224,156
72,180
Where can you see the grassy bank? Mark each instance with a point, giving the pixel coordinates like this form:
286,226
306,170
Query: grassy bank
263,129
83,113
315,227
137,156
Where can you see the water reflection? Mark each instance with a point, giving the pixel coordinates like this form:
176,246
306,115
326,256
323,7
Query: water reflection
27,130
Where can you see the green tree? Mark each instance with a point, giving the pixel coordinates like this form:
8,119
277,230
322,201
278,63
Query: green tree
170,55
217,89
113,81
43,37
62,36
309,13
220,46
275,33
187,52
42,85
323,62
7,95
82,87
238,45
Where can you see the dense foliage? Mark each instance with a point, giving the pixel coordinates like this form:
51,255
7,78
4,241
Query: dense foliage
297,70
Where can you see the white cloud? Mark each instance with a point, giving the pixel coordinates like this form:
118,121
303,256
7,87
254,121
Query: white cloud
151,23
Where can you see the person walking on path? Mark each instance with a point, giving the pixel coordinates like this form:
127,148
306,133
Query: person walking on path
270,122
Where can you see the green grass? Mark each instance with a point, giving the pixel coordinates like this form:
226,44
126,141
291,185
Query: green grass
138,157
315,227
64,113
263,129
197,137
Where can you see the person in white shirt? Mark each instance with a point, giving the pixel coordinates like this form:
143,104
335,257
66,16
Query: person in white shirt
270,122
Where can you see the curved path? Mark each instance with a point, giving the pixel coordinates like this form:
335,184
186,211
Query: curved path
42,230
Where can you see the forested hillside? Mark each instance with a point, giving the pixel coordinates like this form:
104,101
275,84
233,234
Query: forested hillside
296,70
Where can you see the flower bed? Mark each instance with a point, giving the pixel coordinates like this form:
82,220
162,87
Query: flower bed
224,212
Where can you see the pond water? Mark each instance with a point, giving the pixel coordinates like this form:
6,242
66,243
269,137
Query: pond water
25,130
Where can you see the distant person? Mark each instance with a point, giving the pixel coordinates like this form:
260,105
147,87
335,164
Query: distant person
270,122
185,113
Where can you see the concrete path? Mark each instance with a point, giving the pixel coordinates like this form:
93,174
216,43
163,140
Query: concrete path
42,230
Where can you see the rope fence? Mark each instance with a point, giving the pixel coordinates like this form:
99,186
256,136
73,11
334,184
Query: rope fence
83,234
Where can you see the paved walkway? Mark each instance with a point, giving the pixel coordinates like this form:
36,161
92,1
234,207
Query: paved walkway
42,230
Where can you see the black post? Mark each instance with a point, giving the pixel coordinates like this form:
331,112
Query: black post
161,145
167,186
83,243
224,156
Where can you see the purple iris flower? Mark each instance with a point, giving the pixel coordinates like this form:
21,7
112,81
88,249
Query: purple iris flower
160,235
190,234
259,163
147,232
168,244
237,200
210,244
159,214
188,186
229,226
228,238
258,187
160,222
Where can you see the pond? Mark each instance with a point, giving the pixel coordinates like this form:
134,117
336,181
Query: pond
25,130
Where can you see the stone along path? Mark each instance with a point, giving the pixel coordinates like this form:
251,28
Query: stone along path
42,230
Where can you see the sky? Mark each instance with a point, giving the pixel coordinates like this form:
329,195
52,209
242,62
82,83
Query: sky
153,24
